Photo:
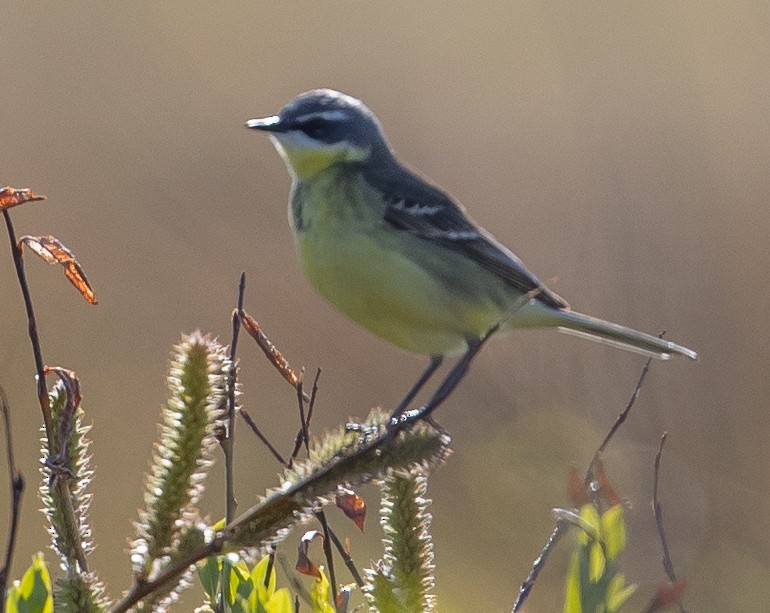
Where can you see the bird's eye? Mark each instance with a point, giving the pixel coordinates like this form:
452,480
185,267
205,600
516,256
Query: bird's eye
315,128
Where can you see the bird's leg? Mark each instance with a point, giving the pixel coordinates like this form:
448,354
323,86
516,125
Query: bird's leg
447,386
435,362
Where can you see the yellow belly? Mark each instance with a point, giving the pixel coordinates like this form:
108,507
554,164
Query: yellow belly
392,289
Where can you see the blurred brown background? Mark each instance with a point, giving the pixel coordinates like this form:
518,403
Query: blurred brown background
620,148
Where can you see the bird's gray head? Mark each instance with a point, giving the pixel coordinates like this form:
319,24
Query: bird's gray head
320,128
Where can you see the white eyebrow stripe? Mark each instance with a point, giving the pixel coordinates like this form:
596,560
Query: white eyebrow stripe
325,115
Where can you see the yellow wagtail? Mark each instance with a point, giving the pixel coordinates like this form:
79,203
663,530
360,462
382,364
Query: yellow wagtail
400,257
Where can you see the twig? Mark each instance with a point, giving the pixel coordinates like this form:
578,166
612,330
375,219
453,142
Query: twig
657,510
321,516
270,566
301,405
252,424
618,421
229,446
526,587
16,480
561,526
303,429
275,357
42,391
347,559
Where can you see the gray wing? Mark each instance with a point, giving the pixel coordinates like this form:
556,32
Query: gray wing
422,210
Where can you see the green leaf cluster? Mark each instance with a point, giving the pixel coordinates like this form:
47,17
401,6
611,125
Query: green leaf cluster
594,583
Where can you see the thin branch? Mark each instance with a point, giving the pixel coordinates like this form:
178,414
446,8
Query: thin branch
657,510
302,433
16,480
321,516
302,436
42,391
229,444
526,587
621,418
255,429
275,357
561,526
270,566
347,559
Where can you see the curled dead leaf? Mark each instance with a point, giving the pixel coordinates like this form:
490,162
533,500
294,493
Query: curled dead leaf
353,506
53,251
304,564
10,197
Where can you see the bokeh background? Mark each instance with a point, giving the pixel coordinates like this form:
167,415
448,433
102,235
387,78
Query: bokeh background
621,149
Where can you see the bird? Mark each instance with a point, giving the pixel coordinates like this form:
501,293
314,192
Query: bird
401,257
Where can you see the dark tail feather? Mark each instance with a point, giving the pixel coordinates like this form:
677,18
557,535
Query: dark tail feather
609,333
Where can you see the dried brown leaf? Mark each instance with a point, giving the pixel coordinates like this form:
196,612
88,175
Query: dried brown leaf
605,486
668,595
304,564
353,506
53,251
10,197
576,488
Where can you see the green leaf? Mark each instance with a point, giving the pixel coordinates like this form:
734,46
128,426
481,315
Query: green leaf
618,593
590,515
209,574
572,599
614,531
321,597
33,593
596,562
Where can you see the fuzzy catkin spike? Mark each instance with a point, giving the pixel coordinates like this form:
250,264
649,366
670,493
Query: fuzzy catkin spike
66,502
190,538
197,381
81,593
347,457
403,579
